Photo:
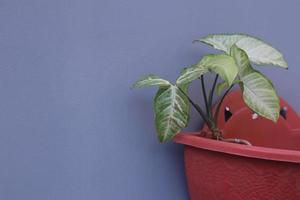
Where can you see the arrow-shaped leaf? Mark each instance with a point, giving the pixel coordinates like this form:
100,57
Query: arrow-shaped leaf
171,112
260,96
258,91
150,80
222,64
241,60
258,51
189,74
170,104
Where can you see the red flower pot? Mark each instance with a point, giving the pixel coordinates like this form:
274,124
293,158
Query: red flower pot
268,170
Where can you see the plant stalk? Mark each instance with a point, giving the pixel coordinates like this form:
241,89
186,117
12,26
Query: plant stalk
208,121
204,95
211,94
220,103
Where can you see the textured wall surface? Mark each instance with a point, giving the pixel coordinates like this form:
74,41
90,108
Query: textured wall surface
70,127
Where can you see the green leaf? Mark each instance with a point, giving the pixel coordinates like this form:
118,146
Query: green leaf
258,51
222,64
260,95
171,112
150,80
189,74
258,91
221,42
241,60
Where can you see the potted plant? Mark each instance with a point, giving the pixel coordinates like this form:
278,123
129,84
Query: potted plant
219,166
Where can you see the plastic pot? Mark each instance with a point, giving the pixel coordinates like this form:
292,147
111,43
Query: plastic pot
270,169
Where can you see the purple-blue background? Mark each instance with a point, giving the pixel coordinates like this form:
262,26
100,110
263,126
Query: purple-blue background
70,127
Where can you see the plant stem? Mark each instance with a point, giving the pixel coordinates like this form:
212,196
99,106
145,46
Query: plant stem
199,110
204,95
211,94
220,103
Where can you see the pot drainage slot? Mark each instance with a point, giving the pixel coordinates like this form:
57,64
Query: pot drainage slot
227,114
283,112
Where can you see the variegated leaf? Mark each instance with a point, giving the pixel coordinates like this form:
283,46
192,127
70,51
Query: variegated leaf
150,80
171,112
222,64
258,91
189,74
241,60
260,95
258,51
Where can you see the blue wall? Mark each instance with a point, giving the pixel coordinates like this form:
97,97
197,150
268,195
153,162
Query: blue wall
70,127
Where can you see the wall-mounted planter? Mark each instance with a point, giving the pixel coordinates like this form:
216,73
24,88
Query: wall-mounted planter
270,169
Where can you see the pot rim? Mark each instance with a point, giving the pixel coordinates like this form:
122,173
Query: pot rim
195,140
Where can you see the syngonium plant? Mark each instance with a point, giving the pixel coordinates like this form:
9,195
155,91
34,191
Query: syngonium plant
233,65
